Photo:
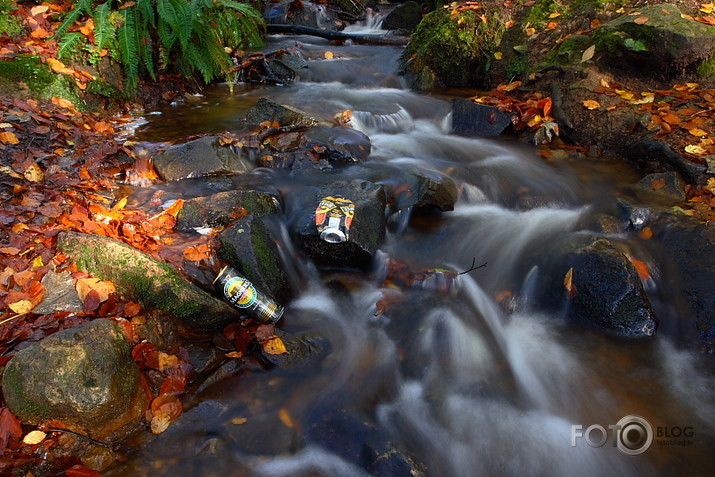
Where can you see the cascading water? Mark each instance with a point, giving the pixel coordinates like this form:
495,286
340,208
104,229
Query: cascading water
456,385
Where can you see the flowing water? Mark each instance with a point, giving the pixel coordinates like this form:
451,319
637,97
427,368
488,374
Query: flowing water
472,383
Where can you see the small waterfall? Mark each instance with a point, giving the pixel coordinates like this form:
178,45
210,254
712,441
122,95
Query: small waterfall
372,24
392,123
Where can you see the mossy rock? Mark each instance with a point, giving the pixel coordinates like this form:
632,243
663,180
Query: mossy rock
29,70
83,377
140,277
656,41
457,50
222,208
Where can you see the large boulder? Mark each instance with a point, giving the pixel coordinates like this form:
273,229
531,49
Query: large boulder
222,208
474,119
658,40
452,50
249,247
204,156
342,224
686,253
140,277
597,285
83,377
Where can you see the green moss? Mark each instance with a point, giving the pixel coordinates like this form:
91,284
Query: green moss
458,49
103,88
266,255
12,388
540,11
707,67
9,24
39,78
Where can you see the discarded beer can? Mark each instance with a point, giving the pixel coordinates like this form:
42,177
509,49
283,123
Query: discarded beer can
241,293
333,218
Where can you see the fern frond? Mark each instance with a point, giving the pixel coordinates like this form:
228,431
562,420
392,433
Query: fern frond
185,21
146,9
146,52
129,47
197,60
69,44
169,24
242,8
104,29
83,6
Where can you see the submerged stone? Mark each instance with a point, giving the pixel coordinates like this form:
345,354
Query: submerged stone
222,208
201,157
474,119
83,377
268,110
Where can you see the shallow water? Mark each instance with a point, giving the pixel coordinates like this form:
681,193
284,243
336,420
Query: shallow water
472,384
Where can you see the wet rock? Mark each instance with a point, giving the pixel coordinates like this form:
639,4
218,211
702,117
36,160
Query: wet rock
159,328
666,184
84,377
287,66
249,247
60,294
666,44
687,258
349,10
474,119
605,291
360,443
364,235
342,145
204,156
268,110
305,353
140,277
264,434
223,208
408,185
404,18
204,359
309,15
651,154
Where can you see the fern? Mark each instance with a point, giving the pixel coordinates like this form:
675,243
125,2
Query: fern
104,30
83,7
129,48
69,45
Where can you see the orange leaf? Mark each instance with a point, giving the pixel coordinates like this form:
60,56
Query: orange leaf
657,184
671,119
591,104
530,31
59,67
274,345
40,33
174,208
568,284
103,288
645,233
62,103
197,253
595,23
640,20
641,268
9,137
697,132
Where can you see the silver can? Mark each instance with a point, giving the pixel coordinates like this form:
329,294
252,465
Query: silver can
241,293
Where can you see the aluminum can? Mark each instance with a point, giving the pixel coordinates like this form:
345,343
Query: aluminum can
333,218
240,292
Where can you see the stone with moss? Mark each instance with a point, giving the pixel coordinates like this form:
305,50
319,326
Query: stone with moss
83,377
249,246
659,40
29,71
454,50
140,277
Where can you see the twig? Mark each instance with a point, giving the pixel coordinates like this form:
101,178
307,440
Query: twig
473,267
87,438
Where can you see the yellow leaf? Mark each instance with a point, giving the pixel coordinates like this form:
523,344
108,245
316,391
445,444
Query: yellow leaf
34,173
37,262
9,137
697,132
167,361
6,125
512,86
33,437
554,15
275,345
530,31
39,9
498,55
711,185
121,204
695,150
647,98
21,307
160,423
329,55
239,420
103,288
591,104
59,67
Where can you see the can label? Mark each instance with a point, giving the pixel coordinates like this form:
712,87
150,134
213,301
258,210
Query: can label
333,218
239,292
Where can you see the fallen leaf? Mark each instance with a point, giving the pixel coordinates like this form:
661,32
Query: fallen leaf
695,150
62,103
175,207
59,67
512,86
498,55
645,233
79,470
239,420
275,346
641,268
34,173
568,284
697,132
159,423
197,253
34,437
591,104
103,288
285,418
21,307
588,54
38,9
657,184
672,119
9,428
640,20
329,55
530,31
595,24
554,15
9,137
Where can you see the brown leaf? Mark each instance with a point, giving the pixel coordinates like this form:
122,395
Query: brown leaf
197,253
657,184
672,119
640,20
9,137
568,284
9,428
103,288
591,104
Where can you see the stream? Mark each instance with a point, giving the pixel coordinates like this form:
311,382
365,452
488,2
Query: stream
476,382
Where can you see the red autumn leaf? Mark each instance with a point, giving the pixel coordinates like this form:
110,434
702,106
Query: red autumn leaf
197,253
81,471
132,309
173,385
91,301
168,405
657,184
10,429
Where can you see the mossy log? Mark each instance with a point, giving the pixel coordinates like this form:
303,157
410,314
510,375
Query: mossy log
138,276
